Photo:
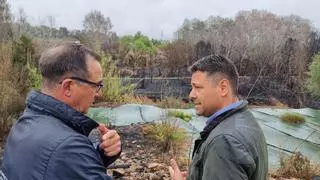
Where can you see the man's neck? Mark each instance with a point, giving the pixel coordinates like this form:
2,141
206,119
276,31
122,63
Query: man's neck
48,92
53,93
229,101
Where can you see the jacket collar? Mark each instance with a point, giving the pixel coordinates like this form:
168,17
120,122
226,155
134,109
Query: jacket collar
213,124
218,119
47,104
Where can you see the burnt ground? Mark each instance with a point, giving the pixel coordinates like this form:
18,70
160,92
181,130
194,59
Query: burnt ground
144,156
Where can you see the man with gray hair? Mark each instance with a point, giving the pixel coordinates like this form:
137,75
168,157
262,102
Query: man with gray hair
50,140
232,145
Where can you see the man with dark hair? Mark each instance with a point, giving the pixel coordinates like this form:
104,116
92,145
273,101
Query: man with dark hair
232,145
50,140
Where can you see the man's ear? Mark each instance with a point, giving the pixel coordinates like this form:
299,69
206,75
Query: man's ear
224,87
66,87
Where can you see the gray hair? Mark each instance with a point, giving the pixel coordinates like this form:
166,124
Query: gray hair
67,59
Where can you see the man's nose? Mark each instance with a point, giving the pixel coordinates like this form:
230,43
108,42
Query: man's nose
192,95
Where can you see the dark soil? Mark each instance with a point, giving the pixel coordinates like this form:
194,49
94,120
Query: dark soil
143,154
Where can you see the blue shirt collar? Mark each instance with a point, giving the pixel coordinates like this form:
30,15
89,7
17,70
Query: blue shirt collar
221,111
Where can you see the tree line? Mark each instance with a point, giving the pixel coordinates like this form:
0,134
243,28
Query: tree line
272,52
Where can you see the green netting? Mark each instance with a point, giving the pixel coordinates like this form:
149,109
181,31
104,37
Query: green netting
127,114
282,138
101,115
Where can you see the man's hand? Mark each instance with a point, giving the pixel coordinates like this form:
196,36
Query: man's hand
175,172
111,143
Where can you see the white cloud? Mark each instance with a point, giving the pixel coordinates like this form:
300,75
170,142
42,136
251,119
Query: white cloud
155,16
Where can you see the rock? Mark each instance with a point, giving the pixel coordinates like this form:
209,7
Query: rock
118,173
139,168
153,176
153,165
119,161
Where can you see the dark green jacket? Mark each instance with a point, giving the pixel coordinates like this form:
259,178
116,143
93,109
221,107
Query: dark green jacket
231,147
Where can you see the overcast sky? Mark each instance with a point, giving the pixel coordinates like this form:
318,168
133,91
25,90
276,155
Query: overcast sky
156,18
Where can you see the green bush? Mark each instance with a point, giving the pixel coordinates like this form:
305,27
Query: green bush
139,43
11,90
180,114
292,117
34,77
167,133
22,50
171,102
114,90
313,82
23,59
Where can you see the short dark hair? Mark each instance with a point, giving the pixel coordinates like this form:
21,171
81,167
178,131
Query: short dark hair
65,59
217,64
